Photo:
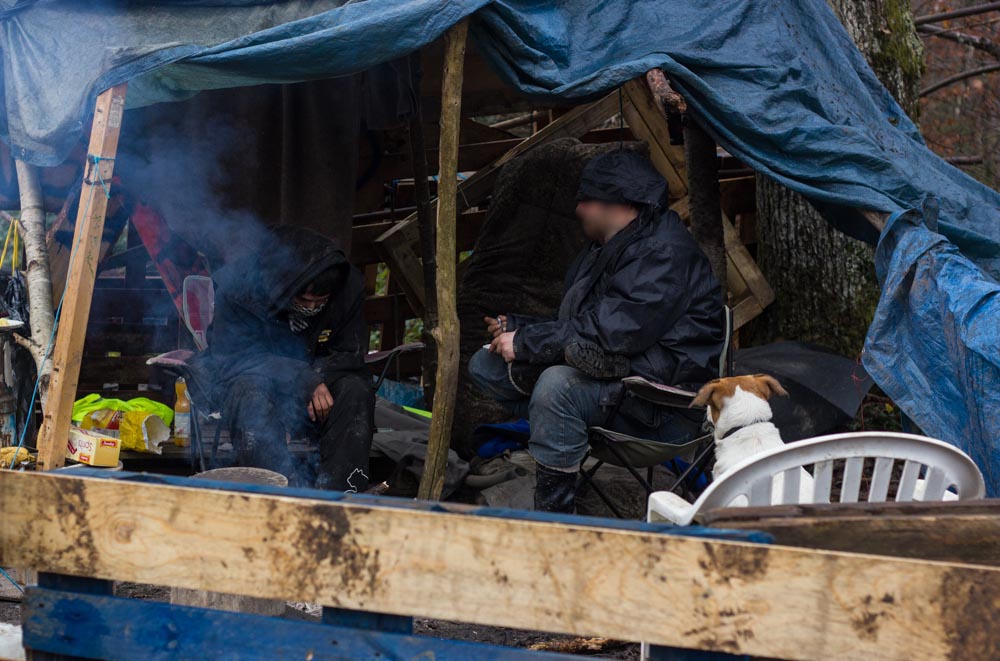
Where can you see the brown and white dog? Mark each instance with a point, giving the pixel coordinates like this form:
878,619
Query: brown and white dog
737,407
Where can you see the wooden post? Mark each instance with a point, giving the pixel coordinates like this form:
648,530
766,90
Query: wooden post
425,223
703,191
446,332
68,351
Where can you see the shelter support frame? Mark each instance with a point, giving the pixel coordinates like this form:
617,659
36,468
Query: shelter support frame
446,332
71,332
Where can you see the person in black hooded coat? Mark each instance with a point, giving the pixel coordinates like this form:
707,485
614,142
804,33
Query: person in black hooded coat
641,299
286,356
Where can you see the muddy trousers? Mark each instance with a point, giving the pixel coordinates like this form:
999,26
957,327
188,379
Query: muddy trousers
261,419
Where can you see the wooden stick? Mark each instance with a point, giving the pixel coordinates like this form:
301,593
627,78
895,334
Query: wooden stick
68,352
446,333
569,576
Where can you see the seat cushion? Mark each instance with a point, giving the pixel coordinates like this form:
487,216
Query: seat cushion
639,452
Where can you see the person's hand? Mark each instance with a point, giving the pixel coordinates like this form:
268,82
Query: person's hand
503,344
320,404
497,325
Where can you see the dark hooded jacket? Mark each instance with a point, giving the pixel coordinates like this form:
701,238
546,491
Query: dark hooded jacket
648,293
250,335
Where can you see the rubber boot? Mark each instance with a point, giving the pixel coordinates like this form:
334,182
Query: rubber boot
555,491
594,361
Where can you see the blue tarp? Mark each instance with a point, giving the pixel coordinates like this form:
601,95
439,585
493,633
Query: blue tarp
777,82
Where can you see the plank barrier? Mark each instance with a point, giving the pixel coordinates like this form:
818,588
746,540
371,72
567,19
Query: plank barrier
374,563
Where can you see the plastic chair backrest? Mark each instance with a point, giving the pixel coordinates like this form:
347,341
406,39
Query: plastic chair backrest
946,467
198,303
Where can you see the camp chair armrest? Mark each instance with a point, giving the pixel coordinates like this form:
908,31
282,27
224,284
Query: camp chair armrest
658,393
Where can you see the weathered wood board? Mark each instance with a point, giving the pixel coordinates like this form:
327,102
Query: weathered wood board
755,599
961,531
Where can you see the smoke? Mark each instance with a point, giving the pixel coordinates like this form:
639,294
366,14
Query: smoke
187,174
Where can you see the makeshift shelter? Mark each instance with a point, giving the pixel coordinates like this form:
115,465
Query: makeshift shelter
780,85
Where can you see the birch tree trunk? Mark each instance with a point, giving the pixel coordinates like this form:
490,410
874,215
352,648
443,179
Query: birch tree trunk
32,226
824,280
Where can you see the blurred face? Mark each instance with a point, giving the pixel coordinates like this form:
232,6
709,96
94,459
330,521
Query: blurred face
310,301
602,220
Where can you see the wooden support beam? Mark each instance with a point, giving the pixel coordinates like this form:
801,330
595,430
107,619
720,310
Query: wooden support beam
400,246
646,120
68,351
575,577
446,332
701,156
961,531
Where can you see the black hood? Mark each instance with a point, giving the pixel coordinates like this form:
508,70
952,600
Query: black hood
299,256
623,177
286,258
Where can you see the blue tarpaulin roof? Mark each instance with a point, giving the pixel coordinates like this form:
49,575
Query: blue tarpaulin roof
778,83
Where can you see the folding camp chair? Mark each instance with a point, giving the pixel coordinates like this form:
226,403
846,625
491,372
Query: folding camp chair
633,453
197,311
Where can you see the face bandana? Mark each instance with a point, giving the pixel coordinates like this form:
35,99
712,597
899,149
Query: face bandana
299,316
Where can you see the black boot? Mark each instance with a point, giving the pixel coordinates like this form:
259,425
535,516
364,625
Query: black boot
591,359
555,491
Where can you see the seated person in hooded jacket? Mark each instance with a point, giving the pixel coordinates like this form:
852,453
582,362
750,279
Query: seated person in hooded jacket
285,358
640,299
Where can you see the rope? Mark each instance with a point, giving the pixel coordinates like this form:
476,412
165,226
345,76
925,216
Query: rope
55,321
12,581
3,255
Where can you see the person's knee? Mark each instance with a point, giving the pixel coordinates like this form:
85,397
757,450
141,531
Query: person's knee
553,387
481,371
355,389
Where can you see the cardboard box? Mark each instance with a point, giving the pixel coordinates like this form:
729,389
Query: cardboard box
91,448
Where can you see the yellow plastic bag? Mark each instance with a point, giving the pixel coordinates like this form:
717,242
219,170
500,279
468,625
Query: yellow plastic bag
141,423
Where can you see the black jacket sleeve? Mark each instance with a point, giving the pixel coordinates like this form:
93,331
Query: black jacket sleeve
647,294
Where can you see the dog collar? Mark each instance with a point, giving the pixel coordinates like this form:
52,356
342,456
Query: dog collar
732,431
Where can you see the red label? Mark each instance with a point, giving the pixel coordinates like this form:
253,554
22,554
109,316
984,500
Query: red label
72,448
109,444
84,458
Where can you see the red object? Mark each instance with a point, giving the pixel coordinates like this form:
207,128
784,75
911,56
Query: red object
175,259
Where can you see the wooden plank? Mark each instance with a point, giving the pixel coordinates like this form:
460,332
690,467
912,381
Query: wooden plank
967,531
597,580
363,242
745,264
445,311
104,627
68,351
647,122
400,246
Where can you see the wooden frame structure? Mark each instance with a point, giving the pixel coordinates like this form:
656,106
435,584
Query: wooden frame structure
374,563
689,587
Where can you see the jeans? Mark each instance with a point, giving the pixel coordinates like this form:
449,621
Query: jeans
260,417
563,404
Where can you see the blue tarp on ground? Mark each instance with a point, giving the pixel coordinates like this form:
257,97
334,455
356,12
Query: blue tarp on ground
778,82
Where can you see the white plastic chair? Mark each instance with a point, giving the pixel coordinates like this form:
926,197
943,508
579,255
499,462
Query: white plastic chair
754,482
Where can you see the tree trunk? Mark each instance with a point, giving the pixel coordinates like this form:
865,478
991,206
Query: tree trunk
32,225
825,281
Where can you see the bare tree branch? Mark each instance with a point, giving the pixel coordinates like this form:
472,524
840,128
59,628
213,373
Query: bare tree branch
959,77
37,275
957,13
980,43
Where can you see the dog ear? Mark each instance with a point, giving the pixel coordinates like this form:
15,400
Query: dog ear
701,399
770,386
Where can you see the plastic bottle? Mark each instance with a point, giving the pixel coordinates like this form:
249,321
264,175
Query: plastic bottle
182,414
